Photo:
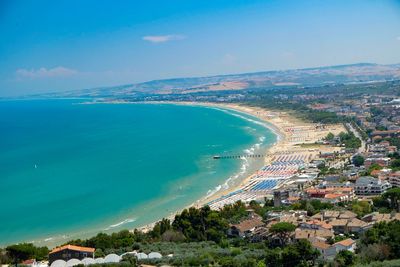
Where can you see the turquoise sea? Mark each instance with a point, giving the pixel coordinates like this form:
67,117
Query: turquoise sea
69,170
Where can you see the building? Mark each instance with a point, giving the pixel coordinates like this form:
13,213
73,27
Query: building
68,252
394,179
331,194
347,244
381,161
369,186
246,227
280,196
329,251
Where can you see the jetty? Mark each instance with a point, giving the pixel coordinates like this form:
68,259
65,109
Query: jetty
238,156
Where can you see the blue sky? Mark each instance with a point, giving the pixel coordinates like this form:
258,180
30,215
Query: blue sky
62,45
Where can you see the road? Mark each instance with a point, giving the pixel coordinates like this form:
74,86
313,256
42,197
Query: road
363,147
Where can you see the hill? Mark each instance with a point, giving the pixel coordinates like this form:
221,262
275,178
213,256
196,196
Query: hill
354,73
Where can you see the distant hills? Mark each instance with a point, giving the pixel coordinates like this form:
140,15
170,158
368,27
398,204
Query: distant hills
354,73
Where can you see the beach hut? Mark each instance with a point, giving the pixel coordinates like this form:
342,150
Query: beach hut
112,258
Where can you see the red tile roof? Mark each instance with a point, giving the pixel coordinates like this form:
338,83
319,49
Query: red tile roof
72,247
346,242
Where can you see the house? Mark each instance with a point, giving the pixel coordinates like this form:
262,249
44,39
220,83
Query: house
367,186
330,214
339,225
377,217
394,179
246,227
310,235
346,214
327,251
381,161
316,225
68,252
347,244
357,226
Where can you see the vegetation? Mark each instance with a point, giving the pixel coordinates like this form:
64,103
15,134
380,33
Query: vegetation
393,197
361,208
350,140
20,252
358,160
381,242
283,231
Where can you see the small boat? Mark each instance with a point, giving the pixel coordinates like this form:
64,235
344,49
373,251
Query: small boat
216,157
35,166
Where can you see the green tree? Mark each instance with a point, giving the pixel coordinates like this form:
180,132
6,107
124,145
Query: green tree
345,258
361,208
330,136
374,167
283,231
395,164
21,252
393,195
358,160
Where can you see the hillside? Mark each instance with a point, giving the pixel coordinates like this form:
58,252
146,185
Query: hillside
355,73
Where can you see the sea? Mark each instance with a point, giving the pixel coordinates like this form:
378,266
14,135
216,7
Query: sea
70,170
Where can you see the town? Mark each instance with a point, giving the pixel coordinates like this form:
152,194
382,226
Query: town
329,188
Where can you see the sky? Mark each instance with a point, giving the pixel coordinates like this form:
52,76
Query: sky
53,46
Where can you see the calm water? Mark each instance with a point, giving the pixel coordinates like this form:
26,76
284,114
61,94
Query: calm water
70,170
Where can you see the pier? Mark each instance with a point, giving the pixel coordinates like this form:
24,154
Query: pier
237,156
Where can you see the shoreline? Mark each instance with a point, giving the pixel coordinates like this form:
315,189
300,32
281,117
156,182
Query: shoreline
291,133
278,122
263,115
202,199
246,110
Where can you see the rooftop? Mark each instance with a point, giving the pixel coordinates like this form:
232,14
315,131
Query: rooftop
73,247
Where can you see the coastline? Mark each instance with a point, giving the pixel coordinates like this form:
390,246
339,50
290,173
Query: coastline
251,111
291,134
121,221
277,122
262,114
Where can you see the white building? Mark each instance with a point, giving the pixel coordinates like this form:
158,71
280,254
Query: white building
367,186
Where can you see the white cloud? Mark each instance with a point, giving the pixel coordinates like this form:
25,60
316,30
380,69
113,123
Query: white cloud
45,73
163,38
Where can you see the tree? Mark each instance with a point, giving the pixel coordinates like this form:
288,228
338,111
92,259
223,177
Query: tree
395,164
20,252
373,167
299,254
129,259
374,252
330,136
361,208
345,258
201,224
358,160
393,195
387,233
282,230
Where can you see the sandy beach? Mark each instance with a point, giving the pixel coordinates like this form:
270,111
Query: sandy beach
291,133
